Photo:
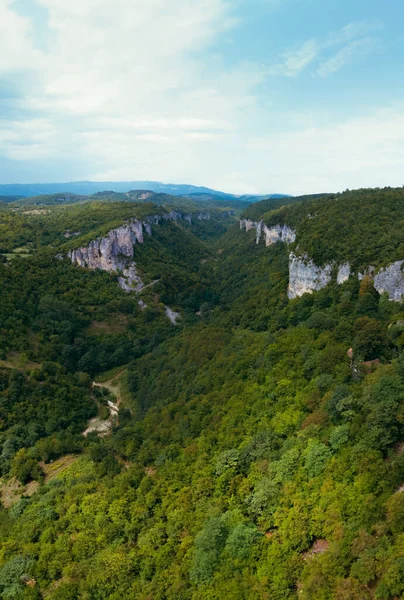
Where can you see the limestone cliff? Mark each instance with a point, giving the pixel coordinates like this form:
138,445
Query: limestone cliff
391,280
271,235
277,233
305,277
114,253
344,272
247,224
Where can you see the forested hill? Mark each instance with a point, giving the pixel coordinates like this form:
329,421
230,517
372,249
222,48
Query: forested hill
85,188
258,448
361,226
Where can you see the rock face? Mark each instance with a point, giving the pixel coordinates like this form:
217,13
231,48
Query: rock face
369,272
343,274
276,234
247,224
203,216
271,235
114,253
172,315
391,280
305,277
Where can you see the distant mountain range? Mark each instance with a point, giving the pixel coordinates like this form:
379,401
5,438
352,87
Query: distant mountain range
84,188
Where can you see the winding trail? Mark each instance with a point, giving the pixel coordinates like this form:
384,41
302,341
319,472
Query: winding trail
103,426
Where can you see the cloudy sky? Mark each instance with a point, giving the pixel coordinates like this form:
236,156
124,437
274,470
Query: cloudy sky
258,96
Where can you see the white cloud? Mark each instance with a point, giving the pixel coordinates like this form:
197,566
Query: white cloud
351,38
360,152
125,90
353,50
17,51
295,62
131,67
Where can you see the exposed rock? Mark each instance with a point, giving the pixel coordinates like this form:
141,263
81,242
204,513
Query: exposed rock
203,216
68,234
272,235
276,234
305,277
147,228
114,253
130,280
173,215
173,316
319,547
247,224
142,304
344,272
143,196
391,280
370,271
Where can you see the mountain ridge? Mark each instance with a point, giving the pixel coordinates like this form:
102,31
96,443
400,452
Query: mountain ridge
93,187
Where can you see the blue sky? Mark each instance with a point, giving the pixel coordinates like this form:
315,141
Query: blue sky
292,96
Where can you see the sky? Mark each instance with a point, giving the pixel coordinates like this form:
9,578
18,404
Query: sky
245,96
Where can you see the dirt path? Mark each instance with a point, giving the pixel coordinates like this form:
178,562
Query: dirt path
113,386
103,426
56,467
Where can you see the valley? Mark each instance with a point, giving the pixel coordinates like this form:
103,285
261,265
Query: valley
230,428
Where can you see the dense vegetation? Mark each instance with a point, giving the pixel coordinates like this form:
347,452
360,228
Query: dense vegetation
254,458
364,227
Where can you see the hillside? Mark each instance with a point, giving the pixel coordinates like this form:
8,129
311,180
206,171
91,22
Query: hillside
364,227
258,448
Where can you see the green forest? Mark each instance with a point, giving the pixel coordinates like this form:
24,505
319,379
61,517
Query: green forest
258,450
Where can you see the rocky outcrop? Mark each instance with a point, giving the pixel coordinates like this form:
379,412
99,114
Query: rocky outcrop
68,234
114,253
305,277
247,224
226,214
369,272
172,315
344,272
278,233
203,216
390,280
271,235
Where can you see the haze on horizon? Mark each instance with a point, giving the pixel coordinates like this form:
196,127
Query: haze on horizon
257,96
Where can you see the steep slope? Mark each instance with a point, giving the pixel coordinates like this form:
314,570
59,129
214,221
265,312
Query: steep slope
364,238
59,322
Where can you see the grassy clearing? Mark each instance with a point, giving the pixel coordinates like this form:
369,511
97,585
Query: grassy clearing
55,468
19,361
111,375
